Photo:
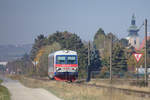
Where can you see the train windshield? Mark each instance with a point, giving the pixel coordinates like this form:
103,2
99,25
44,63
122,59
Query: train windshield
60,60
71,60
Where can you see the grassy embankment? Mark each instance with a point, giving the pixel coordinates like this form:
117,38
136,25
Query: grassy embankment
4,93
68,91
122,83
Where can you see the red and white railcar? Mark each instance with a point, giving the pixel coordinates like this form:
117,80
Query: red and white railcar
63,65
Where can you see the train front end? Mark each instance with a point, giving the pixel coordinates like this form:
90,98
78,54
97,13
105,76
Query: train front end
66,65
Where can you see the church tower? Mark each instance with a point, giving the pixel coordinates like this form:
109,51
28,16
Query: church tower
133,36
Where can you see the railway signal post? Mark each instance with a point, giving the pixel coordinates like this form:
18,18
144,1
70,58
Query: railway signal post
137,56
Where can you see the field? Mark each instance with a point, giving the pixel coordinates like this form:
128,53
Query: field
4,93
69,91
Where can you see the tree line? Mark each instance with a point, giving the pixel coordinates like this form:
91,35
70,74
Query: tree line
122,58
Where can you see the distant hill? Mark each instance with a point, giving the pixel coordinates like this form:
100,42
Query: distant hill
12,52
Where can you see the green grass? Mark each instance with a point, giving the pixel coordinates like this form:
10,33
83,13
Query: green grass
1,81
4,93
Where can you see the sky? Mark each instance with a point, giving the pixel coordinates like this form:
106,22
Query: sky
21,21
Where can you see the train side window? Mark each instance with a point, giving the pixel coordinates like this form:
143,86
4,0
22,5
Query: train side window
50,64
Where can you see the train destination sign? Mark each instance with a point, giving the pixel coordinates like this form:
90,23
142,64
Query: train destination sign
138,56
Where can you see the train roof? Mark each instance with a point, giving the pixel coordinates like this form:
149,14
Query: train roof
64,52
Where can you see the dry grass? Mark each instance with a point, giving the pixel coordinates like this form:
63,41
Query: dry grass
124,84
68,91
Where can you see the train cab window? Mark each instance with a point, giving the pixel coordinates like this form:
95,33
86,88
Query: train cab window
71,60
60,60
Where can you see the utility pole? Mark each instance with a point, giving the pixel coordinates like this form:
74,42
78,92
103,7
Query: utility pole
88,68
89,53
146,77
110,70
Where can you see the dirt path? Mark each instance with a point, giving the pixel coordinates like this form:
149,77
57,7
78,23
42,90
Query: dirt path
20,92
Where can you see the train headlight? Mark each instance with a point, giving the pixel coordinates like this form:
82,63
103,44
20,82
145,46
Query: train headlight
57,68
73,68
76,69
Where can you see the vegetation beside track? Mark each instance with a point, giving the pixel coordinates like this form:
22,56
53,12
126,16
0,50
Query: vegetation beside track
4,93
122,84
69,91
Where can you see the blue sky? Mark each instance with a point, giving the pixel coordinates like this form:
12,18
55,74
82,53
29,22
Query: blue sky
22,20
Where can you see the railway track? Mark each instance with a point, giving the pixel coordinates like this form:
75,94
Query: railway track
139,93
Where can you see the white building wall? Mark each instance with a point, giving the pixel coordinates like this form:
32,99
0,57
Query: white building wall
3,63
134,41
